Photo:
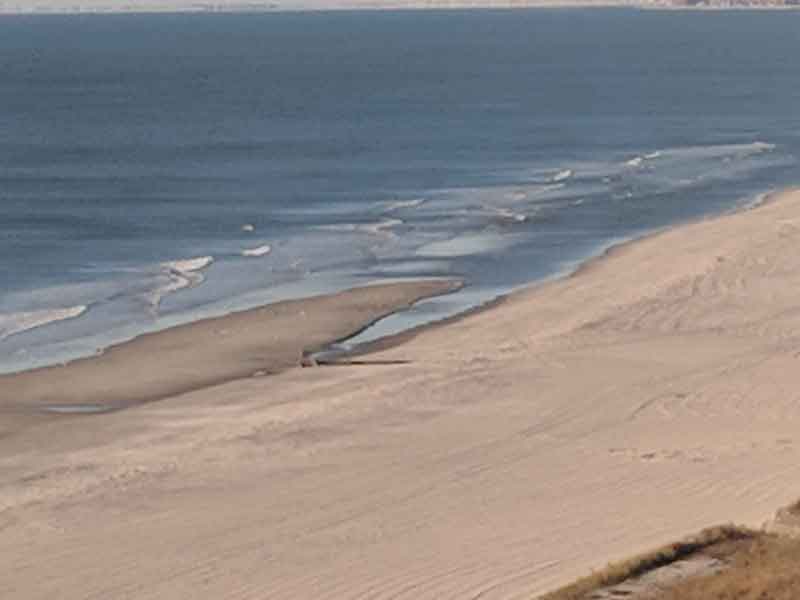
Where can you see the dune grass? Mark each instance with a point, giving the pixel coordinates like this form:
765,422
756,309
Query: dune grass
719,542
760,566
766,569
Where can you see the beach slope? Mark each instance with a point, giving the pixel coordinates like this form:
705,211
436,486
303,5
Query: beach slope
653,393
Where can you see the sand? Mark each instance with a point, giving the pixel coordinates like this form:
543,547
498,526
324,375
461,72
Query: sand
655,392
256,342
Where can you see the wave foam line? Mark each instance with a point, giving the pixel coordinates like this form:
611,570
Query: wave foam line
720,150
188,265
379,228
177,275
257,251
14,323
400,204
635,162
562,175
382,227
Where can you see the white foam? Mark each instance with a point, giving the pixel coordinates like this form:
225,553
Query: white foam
400,204
13,323
507,214
720,150
188,265
562,175
760,146
379,228
177,275
258,251
248,227
635,162
758,200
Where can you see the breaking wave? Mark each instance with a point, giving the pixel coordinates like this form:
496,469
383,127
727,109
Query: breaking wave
401,204
258,251
720,150
562,175
635,162
638,161
177,275
13,323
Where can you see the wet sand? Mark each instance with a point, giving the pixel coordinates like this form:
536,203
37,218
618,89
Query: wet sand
257,342
653,393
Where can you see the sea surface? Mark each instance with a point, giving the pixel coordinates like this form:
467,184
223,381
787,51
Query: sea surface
156,169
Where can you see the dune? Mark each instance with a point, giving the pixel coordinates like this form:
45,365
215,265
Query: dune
502,455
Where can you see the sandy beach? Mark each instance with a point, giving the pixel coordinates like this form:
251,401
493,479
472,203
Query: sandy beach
251,343
652,393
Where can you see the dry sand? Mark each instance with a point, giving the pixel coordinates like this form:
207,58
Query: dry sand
655,392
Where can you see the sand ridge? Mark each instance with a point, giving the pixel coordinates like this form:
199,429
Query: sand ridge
500,456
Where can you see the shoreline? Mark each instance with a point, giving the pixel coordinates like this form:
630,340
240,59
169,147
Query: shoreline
205,353
321,350
69,357
402,337
643,397
332,354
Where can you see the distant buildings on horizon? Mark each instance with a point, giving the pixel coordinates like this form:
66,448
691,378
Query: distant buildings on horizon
109,6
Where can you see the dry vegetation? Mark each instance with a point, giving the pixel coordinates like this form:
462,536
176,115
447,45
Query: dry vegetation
760,566
723,540
766,569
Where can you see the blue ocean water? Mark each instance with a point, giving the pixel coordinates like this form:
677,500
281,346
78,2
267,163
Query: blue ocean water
159,168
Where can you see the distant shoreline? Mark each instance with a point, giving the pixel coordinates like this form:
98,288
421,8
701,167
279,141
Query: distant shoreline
389,6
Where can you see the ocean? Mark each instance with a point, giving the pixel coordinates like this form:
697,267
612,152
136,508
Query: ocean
156,169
